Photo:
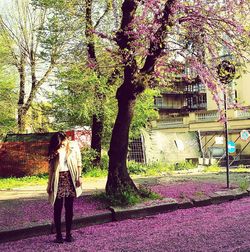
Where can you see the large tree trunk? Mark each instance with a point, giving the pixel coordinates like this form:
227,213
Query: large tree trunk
96,141
118,177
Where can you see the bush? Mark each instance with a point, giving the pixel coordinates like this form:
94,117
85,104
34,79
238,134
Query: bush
244,184
184,166
136,168
88,156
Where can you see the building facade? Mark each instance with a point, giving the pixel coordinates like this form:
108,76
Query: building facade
190,108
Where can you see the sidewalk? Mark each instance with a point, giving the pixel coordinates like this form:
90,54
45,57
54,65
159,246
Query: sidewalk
90,186
27,212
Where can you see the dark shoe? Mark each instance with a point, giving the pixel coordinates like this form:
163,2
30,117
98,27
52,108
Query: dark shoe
69,238
58,239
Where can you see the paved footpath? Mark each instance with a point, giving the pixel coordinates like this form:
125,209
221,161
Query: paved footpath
90,186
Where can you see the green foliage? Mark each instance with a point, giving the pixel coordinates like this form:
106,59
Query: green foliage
10,183
241,169
8,91
244,184
147,193
37,118
212,168
89,170
158,168
96,172
136,168
185,166
88,156
144,112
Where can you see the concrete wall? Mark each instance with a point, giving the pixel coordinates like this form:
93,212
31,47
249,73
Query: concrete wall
164,146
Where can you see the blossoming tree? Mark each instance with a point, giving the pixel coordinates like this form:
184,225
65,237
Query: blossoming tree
155,33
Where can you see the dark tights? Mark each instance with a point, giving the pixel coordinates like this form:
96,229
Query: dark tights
68,204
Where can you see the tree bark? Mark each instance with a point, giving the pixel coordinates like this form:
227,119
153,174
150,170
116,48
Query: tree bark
22,114
96,140
118,177
133,84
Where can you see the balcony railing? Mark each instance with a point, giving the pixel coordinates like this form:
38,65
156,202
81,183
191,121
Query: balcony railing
170,123
207,116
165,106
242,114
194,117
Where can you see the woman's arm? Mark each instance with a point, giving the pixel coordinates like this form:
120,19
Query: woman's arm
79,165
49,187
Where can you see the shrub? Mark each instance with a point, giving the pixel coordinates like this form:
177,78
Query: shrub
244,184
184,166
88,156
136,168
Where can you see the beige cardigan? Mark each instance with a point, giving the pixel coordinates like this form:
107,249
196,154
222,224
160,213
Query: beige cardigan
73,161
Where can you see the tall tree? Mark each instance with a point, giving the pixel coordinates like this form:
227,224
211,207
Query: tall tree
152,34
22,33
8,91
84,50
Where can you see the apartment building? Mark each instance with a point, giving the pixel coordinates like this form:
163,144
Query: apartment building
190,108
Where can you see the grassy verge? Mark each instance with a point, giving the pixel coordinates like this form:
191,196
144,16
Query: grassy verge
10,183
239,176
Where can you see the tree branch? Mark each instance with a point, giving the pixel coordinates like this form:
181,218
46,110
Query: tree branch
107,9
157,46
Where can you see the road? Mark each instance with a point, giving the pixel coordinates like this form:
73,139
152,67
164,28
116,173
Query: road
223,227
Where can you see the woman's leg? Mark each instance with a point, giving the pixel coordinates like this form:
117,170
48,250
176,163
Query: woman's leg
57,216
68,204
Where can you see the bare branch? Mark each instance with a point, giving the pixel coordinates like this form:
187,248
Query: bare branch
107,9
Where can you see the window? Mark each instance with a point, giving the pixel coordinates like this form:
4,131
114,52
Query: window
158,101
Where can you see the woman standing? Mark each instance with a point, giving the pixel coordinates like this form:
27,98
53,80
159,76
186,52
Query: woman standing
64,180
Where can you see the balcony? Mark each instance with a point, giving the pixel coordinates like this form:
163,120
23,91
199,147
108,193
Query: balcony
239,119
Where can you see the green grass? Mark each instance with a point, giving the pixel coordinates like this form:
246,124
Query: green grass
96,172
128,197
154,169
213,168
158,169
13,182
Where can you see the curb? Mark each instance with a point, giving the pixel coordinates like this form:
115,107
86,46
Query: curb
142,210
49,228
118,214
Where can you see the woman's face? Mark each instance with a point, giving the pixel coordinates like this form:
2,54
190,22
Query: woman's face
64,144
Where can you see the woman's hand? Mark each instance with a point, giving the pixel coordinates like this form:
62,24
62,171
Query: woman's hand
78,182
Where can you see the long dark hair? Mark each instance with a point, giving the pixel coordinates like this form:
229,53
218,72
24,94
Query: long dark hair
55,143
